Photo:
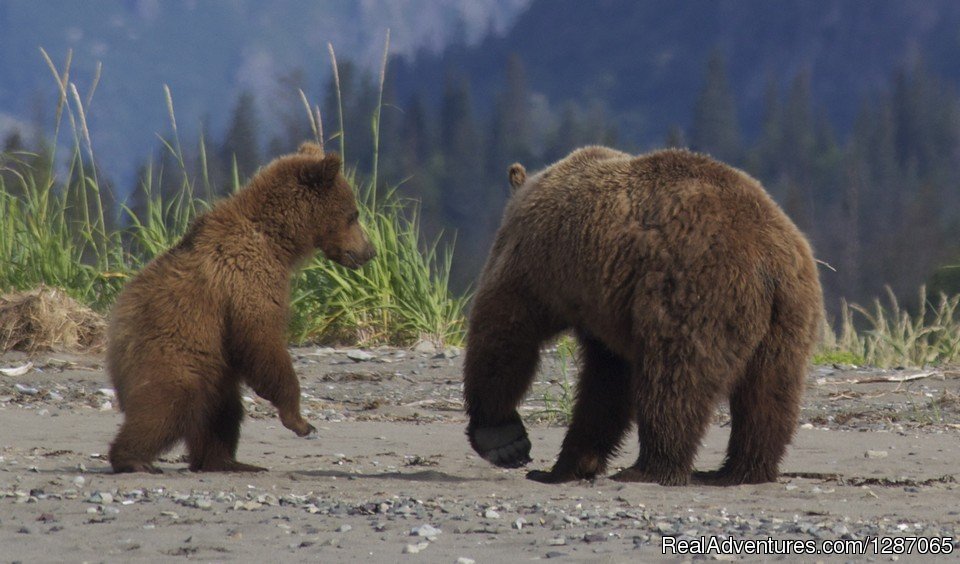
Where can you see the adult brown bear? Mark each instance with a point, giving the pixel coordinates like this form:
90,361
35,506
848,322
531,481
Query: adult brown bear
684,283
211,313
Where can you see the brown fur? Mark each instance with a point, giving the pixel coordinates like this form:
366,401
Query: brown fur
211,313
517,175
684,283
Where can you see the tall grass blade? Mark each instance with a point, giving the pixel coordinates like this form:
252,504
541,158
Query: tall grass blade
313,122
336,84
378,109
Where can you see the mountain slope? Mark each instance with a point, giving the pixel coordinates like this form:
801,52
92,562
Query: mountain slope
645,60
207,52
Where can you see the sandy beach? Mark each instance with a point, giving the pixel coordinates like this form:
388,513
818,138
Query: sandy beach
390,476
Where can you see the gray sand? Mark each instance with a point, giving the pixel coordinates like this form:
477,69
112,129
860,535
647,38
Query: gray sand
392,478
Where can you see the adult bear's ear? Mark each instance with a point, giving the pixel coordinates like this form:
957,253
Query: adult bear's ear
517,175
321,173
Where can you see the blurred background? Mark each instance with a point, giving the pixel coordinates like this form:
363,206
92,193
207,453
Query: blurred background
847,111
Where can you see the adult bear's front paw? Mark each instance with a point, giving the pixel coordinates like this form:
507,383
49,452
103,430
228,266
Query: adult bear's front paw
505,445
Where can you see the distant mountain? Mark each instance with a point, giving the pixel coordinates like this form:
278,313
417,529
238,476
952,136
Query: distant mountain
207,52
645,60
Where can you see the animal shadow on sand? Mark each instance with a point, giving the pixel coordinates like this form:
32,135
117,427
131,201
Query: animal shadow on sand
419,476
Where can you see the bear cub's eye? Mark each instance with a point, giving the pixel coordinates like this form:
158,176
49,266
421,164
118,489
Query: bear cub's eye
354,217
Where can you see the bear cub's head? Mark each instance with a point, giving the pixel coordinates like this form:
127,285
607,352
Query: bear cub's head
333,213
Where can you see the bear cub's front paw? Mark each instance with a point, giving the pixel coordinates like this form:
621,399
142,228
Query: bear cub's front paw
506,445
298,425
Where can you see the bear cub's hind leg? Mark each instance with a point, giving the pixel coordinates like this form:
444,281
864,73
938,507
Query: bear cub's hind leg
129,452
153,424
212,446
141,440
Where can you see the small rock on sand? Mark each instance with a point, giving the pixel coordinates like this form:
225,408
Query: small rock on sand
425,347
359,356
426,531
415,548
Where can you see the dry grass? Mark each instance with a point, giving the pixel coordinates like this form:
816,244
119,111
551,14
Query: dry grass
47,319
892,336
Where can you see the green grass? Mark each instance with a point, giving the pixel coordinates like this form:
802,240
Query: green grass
558,405
400,297
837,357
55,229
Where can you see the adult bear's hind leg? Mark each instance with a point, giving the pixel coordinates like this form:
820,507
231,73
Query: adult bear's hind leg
764,409
601,416
675,401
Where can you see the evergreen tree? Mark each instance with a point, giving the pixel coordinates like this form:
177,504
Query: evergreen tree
715,128
575,129
797,154
873,148
292,118
415,134
419,164
675,138
460,147
13,142
510,136
927,129
826,163
764,158
241,143
799,138
850,267
566,135
461,180
358,98
211,173
391,128
138,195
360,113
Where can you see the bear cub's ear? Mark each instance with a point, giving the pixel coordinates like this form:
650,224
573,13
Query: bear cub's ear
517,175
322,172
310,148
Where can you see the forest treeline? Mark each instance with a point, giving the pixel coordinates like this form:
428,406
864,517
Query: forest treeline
880,202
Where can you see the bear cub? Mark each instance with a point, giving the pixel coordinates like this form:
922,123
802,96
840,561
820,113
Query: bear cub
684,284
211,313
